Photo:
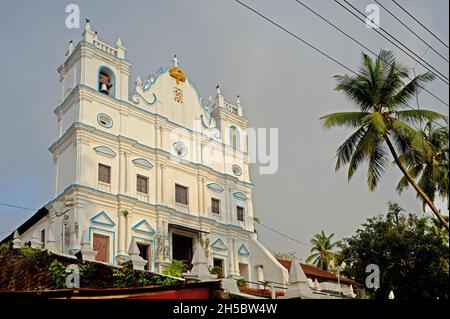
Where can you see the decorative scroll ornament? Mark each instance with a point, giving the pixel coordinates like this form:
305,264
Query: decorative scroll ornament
141,88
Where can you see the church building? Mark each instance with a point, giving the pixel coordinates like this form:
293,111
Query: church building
156,164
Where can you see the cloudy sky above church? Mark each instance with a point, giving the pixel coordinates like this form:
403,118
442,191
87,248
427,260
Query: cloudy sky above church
282,84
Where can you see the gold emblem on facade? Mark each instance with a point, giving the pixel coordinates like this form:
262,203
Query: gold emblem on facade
175,72
178,95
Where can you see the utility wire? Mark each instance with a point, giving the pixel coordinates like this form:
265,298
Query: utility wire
412,31
284,235
311,46
362,45
19,207
295,36
445,78
420,23
441,76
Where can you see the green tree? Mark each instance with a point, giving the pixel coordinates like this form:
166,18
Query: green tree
413,261
322,250
382,120
175,269
431,168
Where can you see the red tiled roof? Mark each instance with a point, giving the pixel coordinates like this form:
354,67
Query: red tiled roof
314,272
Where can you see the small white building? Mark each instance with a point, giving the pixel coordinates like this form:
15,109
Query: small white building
160,166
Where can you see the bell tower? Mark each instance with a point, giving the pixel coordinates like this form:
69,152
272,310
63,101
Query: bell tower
93,77
231,121
97,65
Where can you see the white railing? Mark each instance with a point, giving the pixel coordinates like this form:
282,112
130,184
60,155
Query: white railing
231,108
143,197
216,216
105,48
104,187
182,208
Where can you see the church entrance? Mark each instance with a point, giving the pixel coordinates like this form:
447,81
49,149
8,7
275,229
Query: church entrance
101,246
182,248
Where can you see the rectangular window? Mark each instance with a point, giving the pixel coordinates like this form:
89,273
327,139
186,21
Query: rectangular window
240,213
43,237
215,206
144,252
104,173
181,194
142,184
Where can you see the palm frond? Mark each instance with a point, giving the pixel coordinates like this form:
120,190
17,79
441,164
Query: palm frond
377,165
410,90
344,119
367,144
356,90
418,116
345,151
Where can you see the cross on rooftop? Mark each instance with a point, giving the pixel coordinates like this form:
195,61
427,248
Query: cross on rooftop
176,61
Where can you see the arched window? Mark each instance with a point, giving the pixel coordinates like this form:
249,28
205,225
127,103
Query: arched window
234,138
106,81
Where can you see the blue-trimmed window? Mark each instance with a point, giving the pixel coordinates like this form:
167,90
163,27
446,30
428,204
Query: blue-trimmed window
234,138
106,81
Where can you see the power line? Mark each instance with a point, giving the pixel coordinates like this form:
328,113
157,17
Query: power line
284,235
19,207
445,78
295,36
412,31
311,46
361,44
441,76
420,23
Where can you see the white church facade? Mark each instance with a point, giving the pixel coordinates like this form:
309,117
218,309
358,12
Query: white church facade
157,164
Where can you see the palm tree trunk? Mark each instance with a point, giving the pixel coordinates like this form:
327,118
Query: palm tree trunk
413,183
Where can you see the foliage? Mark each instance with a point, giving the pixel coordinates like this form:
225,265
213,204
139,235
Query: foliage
88,274
383,122
216,270
31,256
123,277
58,272
266,283
127,277
322,251
431,169
175,269
241,283
4,248
413,261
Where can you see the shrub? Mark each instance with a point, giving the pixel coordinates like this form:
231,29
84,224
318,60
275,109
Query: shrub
58,272
241,283
123,277
4,248
175,269
216,270
31,256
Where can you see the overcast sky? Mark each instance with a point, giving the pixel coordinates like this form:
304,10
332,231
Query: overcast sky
282,84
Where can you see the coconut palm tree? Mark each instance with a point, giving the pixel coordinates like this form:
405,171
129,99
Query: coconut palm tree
322,250
380,93
432,171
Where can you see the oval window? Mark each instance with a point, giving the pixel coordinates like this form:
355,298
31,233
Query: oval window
104,120
180,149
236,170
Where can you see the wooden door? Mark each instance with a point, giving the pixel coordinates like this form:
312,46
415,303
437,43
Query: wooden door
101,246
